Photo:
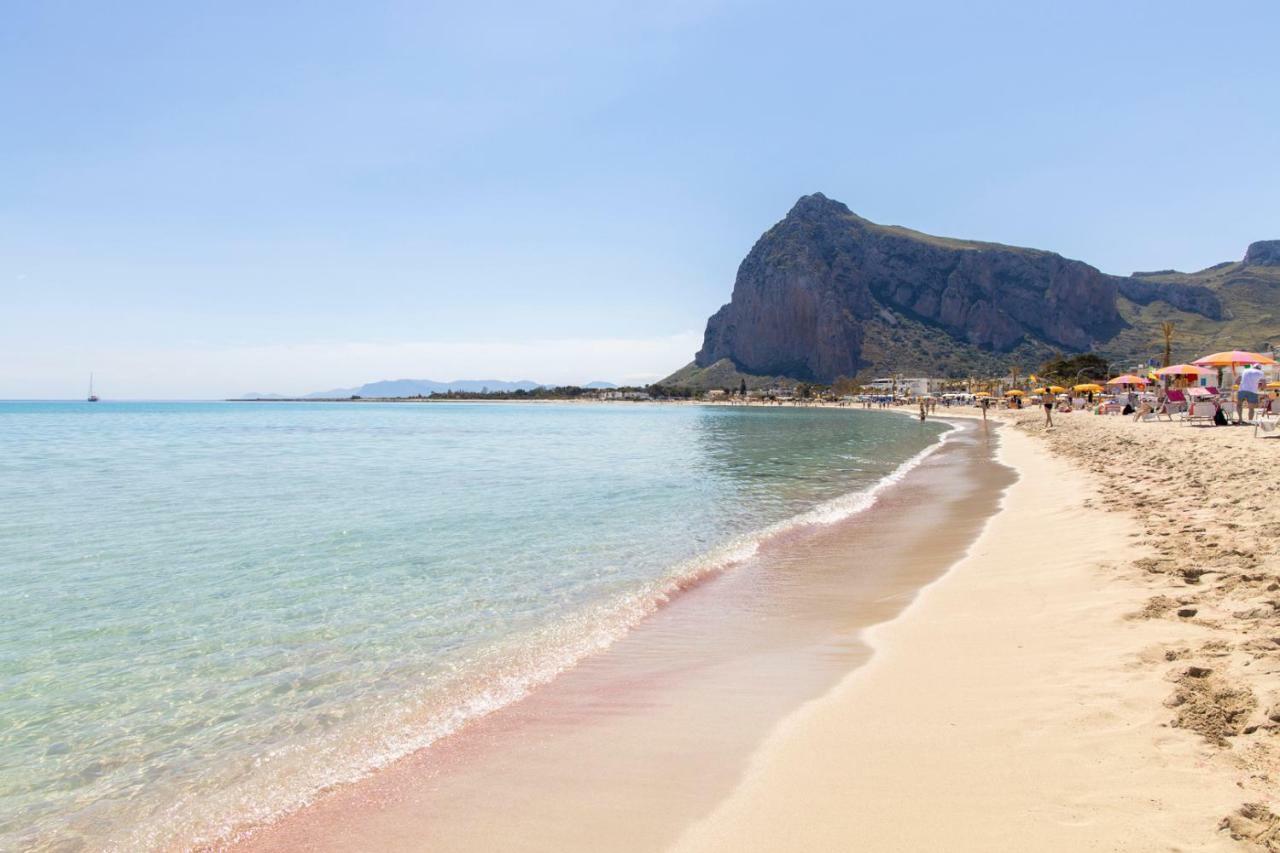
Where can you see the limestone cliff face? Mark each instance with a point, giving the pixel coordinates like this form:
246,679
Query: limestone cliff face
1194,298
806,292
1264,253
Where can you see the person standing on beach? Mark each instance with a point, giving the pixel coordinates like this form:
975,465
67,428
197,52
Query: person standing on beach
1048,411
985,402
1250,383
922,408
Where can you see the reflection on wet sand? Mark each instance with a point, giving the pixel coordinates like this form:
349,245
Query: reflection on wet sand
637,742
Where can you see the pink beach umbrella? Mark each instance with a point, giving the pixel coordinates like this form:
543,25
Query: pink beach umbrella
1183,373
1129,379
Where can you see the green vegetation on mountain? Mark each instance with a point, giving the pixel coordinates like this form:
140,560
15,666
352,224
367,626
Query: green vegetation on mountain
825,294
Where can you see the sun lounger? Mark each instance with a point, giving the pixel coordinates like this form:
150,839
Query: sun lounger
1273,408
1201,413
1175,403
1269,428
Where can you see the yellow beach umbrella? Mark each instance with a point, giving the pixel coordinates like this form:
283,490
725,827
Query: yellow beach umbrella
1087,387
982,394
1272,386
1014,393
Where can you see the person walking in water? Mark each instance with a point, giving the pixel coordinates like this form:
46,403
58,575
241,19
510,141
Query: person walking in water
922,408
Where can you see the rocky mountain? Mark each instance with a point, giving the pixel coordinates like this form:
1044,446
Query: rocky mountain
1264,253
422,387
826,293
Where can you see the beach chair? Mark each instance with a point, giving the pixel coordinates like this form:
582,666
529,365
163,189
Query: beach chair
1228,409
1175,403
1267,429
1273,408
1201,413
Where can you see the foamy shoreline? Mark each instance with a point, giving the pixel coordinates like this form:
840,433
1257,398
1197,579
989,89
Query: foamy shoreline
662,688
1035,691
1018,704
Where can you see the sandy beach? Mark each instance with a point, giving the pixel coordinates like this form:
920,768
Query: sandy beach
652,733
1089,667
1096,674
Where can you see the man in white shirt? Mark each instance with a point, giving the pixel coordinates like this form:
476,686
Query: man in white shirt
1250,383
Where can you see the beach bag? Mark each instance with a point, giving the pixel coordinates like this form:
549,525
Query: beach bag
1219,419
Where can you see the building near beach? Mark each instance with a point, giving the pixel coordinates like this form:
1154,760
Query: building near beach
905,386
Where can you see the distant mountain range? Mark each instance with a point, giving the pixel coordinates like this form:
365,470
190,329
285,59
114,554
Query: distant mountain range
826,293
420,388
425,388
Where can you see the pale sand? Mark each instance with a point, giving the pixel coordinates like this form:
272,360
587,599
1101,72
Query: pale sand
1020,704
633,744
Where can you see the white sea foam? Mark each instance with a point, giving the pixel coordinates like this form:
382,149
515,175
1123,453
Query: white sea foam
499,677
196,653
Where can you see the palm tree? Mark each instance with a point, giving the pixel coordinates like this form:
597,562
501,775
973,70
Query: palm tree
1166,331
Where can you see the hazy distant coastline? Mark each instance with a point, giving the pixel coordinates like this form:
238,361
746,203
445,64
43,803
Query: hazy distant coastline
390,389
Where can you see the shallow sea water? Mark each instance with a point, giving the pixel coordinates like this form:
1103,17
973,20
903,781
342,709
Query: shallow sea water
211,611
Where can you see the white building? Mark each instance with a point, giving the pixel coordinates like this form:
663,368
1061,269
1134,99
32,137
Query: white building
904,386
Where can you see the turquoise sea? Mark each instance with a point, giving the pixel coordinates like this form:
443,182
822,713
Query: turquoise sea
211,611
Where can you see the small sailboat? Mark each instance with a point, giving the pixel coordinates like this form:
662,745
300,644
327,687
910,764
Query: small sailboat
93,398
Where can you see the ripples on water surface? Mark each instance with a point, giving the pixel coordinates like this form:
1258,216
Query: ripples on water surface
212,610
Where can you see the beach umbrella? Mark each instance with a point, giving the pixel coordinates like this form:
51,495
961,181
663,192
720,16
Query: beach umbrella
1272,386
1234,358
1184,370
1087,387
982,394
1014,393
1128,379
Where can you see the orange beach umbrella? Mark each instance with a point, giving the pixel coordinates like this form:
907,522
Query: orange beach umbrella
1184,370
1129,379
1232,358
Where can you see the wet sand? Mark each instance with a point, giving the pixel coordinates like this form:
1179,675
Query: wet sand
634,745
1045,694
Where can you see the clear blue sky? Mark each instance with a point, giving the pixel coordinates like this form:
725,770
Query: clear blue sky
201,199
